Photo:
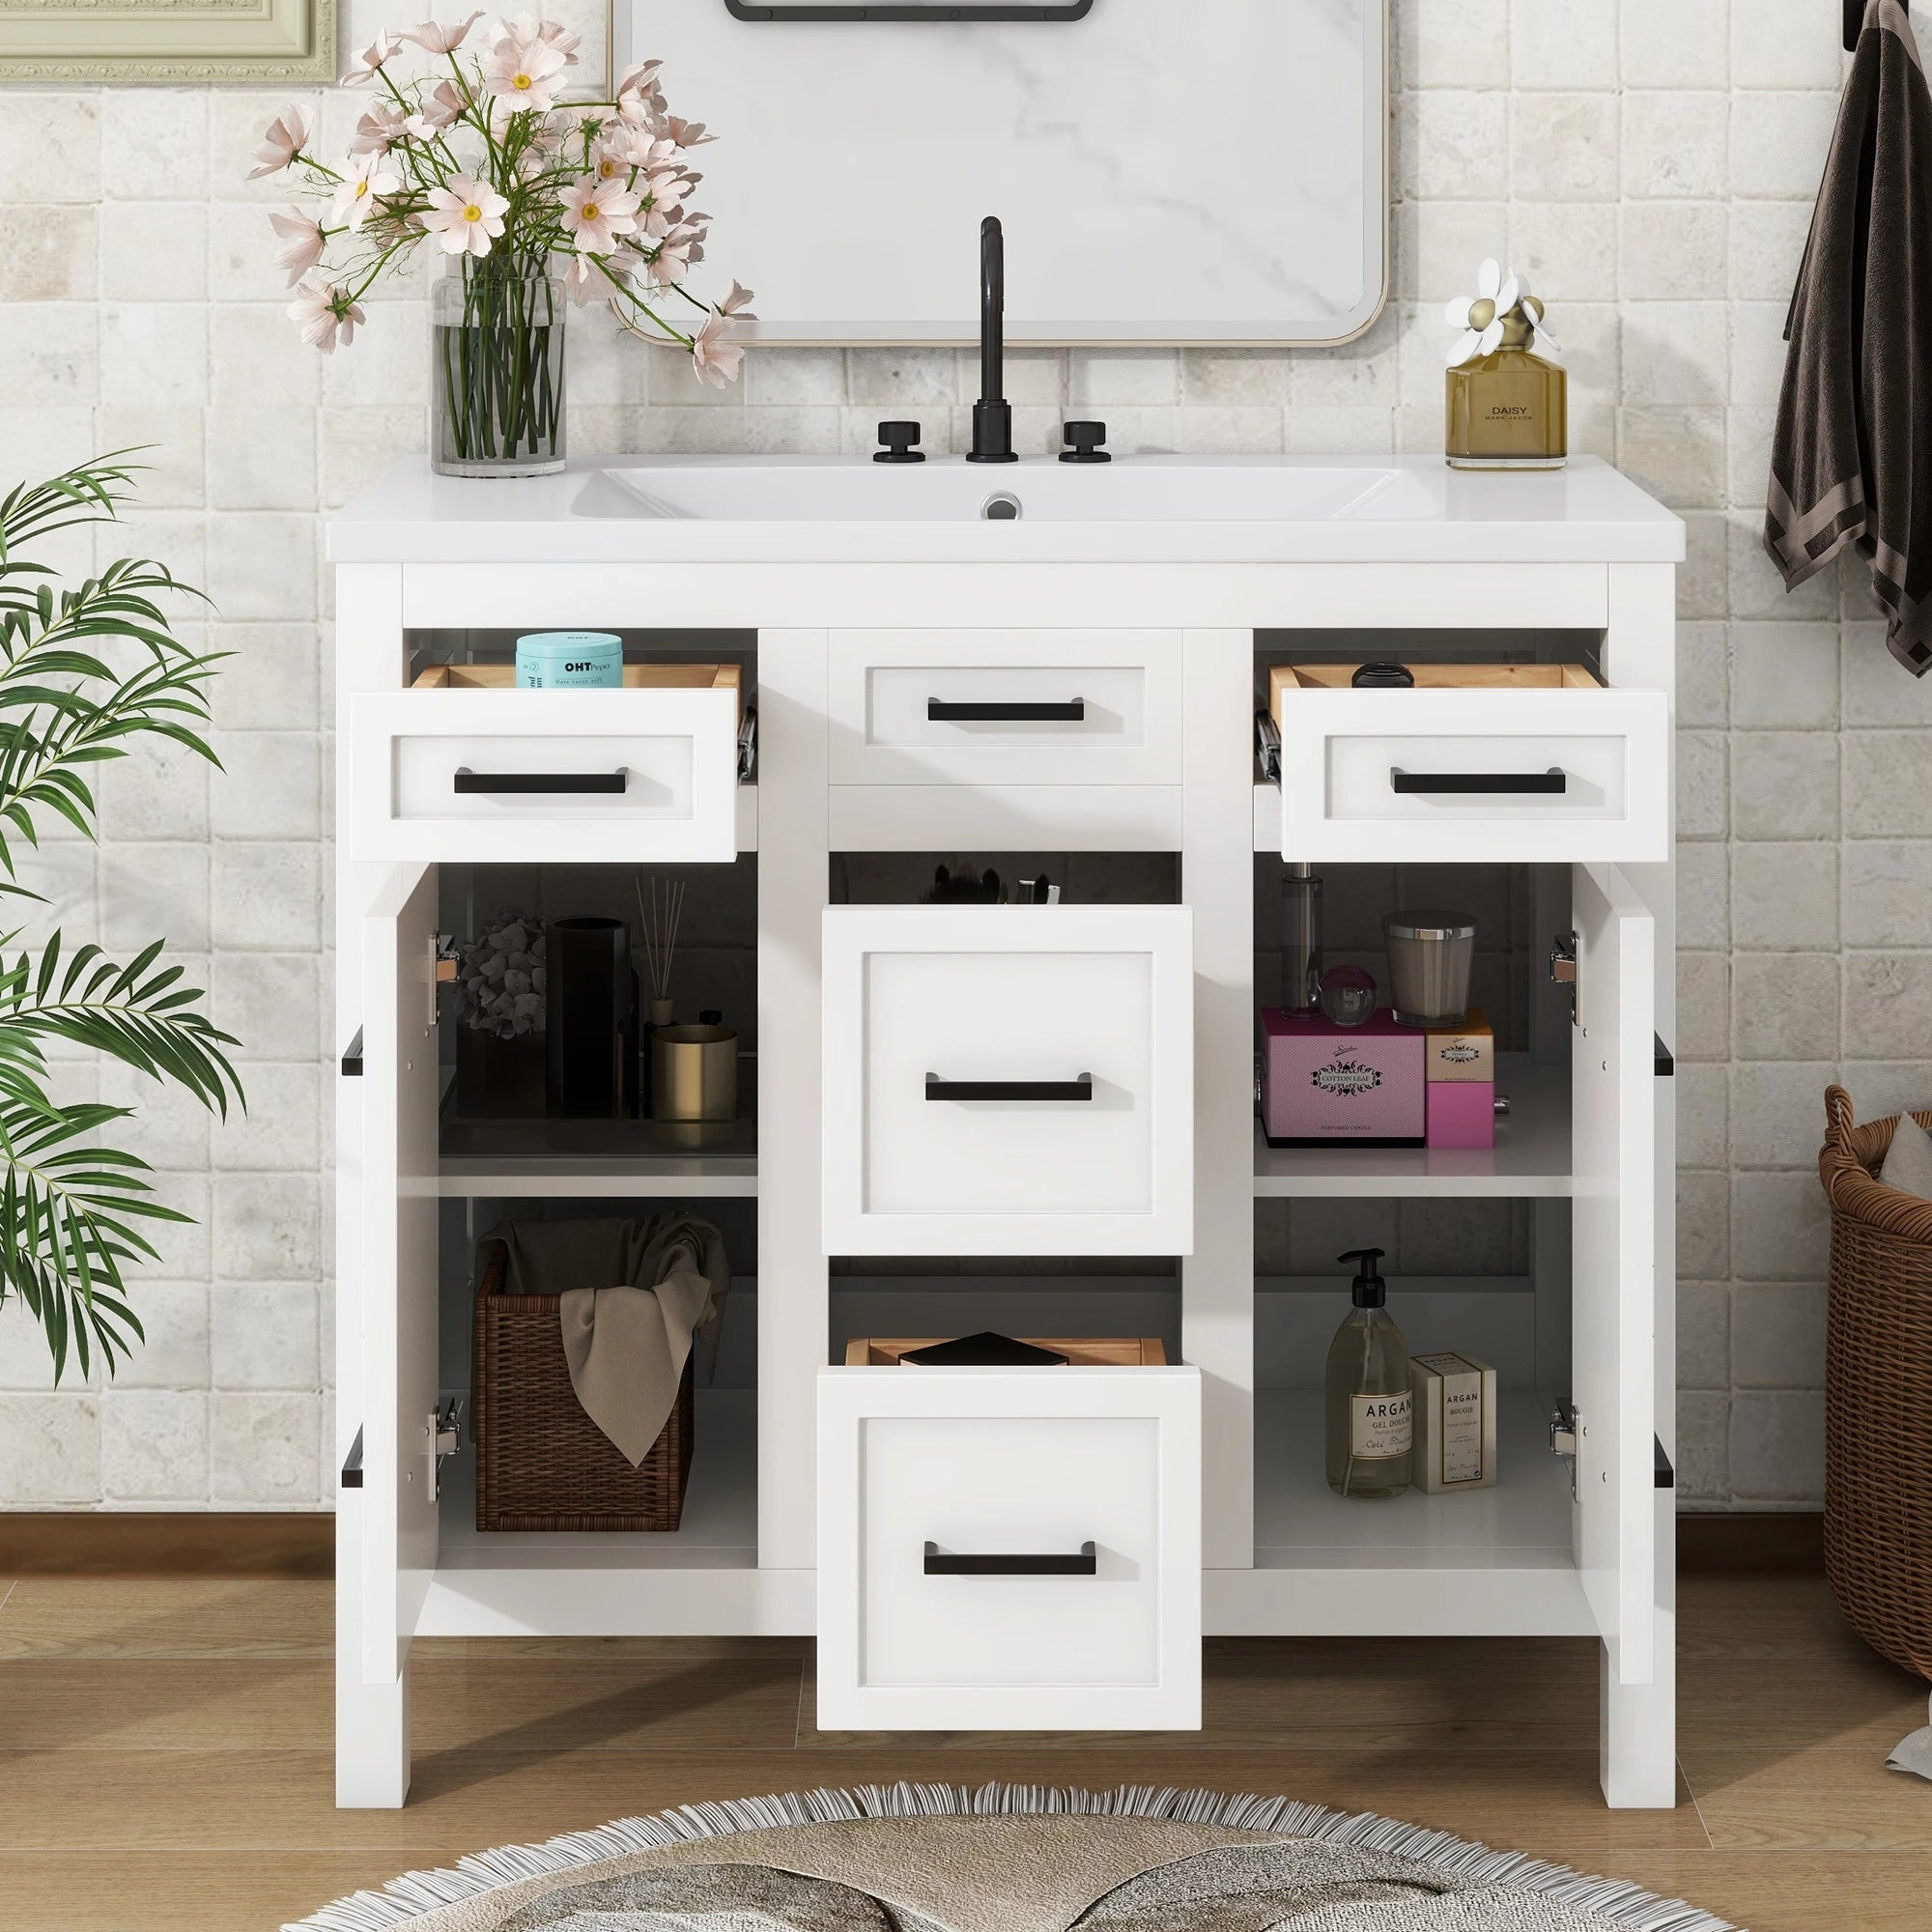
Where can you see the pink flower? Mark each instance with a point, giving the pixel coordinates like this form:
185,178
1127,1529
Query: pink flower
665,191
584,278
467,212
435,38
285,137
712,360
737,303
326,315
637,93
442,109
306,242
553,33
365,178
597,213
523,75
382,126
688,133
672,260
369,61
617,151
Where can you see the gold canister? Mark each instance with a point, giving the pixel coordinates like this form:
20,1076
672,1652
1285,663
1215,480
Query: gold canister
694,1073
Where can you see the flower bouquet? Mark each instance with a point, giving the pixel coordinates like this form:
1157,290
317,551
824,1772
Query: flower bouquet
537,203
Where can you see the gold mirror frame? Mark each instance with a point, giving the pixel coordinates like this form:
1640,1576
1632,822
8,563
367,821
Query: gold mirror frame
180,40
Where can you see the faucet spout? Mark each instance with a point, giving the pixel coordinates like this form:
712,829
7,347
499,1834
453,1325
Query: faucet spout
992,414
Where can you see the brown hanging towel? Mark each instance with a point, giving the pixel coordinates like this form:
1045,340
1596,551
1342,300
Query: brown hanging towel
1852,456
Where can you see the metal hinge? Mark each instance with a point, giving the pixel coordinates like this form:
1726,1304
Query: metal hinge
1563,967
1565,1433
445,1438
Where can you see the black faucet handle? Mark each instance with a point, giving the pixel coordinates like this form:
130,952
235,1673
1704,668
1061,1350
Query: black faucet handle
899,439
1083,441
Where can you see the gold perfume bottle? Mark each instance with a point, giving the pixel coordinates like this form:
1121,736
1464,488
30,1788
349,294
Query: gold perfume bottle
1507,409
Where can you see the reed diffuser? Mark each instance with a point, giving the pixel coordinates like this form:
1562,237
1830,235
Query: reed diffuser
659,917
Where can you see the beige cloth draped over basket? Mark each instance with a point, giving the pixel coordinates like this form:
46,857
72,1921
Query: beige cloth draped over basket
585,1339
1878,1392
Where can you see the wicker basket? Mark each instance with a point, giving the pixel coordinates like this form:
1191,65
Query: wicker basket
1878,1392
541,1463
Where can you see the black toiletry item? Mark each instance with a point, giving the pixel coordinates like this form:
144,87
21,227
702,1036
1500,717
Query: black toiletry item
1382,675
964,890
986,1351
1369,1288
591,1020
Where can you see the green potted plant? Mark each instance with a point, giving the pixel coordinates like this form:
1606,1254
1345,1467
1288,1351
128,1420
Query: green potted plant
85,673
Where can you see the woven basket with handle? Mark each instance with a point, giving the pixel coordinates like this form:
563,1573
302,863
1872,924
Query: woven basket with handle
1878,1392
541,1463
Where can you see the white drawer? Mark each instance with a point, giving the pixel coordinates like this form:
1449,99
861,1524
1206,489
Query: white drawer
1009,1550
1566,772
1008,1080
1005,707
590,776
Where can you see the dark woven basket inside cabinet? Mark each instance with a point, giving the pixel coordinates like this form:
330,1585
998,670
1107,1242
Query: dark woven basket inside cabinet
541,1463
1878,1392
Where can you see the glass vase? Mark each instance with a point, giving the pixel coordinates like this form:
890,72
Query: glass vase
497,349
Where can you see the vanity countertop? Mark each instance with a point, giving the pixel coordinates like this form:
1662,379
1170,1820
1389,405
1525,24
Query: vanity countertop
1135,510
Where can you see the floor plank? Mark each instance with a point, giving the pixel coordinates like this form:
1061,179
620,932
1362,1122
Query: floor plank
236,1616
1456,1694
1824,1800
484,1703
1790,1892
1547,1802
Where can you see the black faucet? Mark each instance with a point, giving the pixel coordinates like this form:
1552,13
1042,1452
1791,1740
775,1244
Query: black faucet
992,414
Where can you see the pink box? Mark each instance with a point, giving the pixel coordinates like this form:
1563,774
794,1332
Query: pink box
1462,1113
1322,1083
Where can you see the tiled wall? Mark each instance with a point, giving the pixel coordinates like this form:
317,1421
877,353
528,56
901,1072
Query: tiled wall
1648,162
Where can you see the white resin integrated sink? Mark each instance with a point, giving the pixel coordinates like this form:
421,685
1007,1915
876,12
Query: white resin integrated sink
1137,489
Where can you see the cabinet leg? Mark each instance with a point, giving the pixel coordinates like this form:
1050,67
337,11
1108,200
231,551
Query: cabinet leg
1637,1747
372,1740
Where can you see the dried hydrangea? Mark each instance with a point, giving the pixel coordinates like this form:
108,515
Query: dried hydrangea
501,977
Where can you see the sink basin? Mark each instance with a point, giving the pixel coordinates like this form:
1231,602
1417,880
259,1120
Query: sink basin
949,490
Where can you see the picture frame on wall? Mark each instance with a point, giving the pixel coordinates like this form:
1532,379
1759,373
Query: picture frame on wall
182,41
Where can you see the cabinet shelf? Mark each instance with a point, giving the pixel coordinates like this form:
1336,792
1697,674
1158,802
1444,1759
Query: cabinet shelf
1531,1156
1490,1563
554,1160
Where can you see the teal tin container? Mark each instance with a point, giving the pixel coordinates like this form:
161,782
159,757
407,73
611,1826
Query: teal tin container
563,660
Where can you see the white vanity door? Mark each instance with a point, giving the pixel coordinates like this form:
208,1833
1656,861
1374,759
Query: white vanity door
1010,1550
1614,1284
1008,1080
399,1266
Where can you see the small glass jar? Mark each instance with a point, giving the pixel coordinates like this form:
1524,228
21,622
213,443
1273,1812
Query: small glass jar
497,347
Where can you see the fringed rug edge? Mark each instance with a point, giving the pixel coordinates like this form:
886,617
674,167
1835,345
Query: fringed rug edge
403,1900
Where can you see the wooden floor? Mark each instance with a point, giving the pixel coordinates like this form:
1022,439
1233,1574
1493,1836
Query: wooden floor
164,1753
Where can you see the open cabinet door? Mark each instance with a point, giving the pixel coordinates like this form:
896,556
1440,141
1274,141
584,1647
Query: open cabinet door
1614,1276
400,1094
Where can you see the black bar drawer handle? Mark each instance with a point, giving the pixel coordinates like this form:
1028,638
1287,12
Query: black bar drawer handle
467,781
1554,781
938,1563
940,710
1079,1089
351,1470
351,1057
1665,1478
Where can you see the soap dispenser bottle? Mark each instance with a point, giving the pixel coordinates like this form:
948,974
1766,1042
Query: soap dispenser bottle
1368,1421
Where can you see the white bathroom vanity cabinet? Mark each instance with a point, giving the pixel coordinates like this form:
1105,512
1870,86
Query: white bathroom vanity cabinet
1072,689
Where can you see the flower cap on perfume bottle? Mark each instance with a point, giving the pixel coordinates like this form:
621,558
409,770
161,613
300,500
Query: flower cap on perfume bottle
1370,1289
1502,314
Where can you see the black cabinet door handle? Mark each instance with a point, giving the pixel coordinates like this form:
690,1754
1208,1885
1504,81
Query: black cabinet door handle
1079,1089
1555,779
352,1469
940,710
467,781
351,1057
1083,1563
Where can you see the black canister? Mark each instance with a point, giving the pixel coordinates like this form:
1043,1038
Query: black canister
592,1021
